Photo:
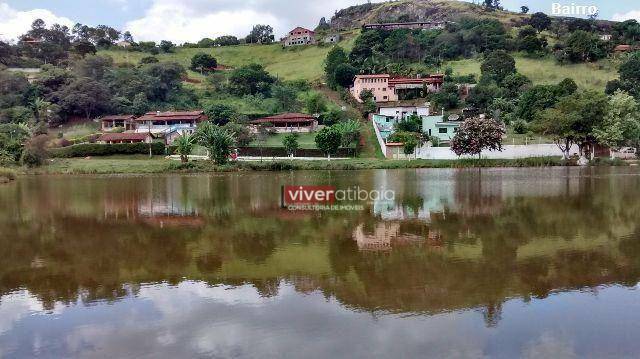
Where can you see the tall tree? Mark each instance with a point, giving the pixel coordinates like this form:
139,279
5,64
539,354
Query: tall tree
476,135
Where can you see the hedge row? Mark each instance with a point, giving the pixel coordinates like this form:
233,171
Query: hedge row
97,149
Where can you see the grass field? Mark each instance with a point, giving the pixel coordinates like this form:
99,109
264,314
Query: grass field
305,140
289,64
546,70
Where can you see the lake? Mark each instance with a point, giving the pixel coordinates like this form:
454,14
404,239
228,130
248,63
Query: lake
497,263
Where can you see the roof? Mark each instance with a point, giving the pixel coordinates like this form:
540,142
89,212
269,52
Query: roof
373,76
125,136
175,116
623,48
303,29
408,81
286,117
117,118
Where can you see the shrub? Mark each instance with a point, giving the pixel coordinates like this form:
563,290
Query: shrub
520,127
35,151
96,149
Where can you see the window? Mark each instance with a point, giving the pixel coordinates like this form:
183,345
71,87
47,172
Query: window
442,130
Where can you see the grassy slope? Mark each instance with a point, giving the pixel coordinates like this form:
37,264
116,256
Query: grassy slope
289,64
548,71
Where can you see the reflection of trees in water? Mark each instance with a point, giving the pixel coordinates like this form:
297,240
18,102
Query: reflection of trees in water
528,246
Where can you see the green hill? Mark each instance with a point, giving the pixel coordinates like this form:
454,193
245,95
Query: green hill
304,62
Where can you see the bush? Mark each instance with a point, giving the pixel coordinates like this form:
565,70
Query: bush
96,149
520,127
35,151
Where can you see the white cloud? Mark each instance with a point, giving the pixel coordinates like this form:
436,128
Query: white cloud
633,14
14,23
182,21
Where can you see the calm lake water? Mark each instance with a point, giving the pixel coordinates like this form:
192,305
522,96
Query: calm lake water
462,263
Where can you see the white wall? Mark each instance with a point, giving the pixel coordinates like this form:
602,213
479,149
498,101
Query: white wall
508,152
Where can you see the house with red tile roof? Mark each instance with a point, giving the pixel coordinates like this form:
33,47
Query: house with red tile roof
113,122
162,123
388,89
299,36
289,122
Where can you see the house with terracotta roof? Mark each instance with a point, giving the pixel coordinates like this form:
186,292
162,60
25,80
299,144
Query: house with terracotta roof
113,122
625,48
299,36
125,137
388,89
163,123
289,122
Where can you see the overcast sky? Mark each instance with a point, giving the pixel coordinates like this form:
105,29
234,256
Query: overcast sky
191,20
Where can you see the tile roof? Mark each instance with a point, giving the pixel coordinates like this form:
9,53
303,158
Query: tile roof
177,115
286,117
117,117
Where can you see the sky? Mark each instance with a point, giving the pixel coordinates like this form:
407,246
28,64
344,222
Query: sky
191,20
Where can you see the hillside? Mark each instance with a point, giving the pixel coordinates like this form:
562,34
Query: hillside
288,64
414,10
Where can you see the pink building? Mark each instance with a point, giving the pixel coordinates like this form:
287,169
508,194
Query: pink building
386,88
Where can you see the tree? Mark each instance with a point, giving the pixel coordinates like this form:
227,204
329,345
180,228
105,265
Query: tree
35,151
582,46
349,132
315,103
203,62
84,48
94,67
184,146
629,77
6,53
83,96
515,84
219,114
336,57
573,120
328,140
140,104
497,66
448,97
250,80
524,9
540,21
290,144
167,46
226,40
218,141
260,34
168,77
621,124
409,140
286,98
477,134
241,133
344,75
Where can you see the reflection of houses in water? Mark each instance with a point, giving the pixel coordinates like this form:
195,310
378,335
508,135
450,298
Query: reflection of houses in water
386,235
161,207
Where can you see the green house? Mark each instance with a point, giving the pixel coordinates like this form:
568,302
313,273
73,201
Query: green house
438,127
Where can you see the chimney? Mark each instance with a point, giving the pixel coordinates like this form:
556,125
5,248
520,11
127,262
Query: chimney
157,113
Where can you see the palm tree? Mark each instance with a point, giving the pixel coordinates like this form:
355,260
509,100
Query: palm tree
217,140
41,109
184,146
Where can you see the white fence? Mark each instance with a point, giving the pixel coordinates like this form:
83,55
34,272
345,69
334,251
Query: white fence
508,152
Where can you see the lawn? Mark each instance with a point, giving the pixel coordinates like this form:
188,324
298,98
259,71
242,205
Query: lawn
289,64
547,71
305,140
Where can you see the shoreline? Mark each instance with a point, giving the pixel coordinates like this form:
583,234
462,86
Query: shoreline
145,165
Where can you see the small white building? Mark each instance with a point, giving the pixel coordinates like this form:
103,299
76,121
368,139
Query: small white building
402,112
